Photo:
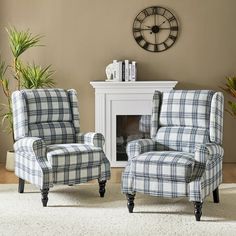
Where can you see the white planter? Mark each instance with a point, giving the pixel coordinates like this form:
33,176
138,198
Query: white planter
10,161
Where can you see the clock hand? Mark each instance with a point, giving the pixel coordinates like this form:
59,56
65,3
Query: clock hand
164,28
155,20
147,26
138,29
162,23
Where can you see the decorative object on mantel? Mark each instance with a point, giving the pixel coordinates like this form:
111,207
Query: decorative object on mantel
155,29
121,71
230,87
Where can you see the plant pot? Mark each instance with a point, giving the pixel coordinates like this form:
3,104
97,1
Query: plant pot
10,161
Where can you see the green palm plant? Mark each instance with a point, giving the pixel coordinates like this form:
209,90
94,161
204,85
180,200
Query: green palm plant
6,111
35,76
230,87
19,42
26,76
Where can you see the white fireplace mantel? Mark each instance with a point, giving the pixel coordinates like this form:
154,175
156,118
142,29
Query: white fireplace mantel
122,98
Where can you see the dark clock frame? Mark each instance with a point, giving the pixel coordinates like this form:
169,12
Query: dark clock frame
154,29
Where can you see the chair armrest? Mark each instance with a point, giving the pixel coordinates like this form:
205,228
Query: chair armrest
208,151
137,147
92,138
32,145
36,149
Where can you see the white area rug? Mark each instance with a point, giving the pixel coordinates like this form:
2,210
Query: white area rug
80,211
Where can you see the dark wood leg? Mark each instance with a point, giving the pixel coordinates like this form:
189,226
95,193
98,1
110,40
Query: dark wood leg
198,210
130,203
21,185
216,197
102,185
44,193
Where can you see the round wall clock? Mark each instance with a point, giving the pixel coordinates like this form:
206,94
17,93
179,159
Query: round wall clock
155,29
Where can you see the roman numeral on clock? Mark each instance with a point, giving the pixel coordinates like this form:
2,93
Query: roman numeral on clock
139,20
174,28
139,39
155,48
154,10
165,45
163,13
136,30
172,37
146,45
172,18
145,12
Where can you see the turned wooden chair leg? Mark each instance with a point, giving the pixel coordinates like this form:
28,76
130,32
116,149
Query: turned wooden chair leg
130,202
102,187
198,210
44,193
216,196
21,185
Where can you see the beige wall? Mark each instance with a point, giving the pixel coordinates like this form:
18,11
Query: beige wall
83,36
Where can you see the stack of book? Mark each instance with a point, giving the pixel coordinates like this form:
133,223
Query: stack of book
123,71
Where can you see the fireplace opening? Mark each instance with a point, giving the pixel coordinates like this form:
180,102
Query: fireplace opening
129,128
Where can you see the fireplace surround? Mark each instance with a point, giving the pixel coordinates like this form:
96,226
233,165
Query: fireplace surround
120,109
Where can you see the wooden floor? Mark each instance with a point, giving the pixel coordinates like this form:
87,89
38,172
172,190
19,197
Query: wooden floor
229,174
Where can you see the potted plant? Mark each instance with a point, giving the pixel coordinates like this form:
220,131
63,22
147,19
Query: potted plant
230,87
19,75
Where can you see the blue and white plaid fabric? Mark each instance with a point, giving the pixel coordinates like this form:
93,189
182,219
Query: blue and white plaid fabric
168,165
145,124
156,104
216,118
73,155
72,94
45,113
137,147
49,147
183,156
183,139
92,139
31,163
186,108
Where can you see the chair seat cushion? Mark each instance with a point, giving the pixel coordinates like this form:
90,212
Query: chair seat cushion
168,165
74,155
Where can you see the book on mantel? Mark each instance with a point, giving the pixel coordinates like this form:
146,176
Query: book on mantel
123,71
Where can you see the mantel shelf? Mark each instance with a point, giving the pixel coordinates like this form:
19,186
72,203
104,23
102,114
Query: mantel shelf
136,84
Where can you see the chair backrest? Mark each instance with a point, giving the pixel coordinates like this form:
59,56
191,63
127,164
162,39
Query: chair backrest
51,114
181,119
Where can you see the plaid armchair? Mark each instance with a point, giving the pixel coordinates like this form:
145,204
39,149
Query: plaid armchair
49,147
184,155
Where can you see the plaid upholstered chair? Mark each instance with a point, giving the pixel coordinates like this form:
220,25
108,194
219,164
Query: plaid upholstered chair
184,156
49,147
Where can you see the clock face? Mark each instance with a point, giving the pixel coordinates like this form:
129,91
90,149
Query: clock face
155,29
